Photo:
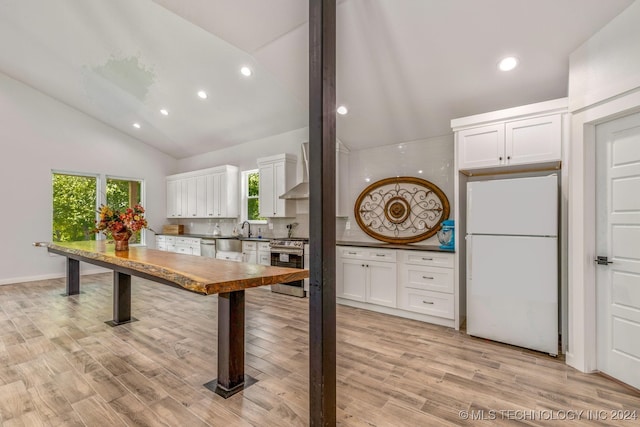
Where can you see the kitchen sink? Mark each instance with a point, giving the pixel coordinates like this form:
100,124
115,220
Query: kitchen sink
228,245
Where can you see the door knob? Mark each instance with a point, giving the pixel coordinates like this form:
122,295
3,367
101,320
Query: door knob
602,260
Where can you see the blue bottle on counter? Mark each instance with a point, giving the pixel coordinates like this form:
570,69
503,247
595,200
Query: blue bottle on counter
446,234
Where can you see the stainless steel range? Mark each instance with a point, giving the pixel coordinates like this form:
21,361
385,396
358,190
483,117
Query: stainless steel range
289,252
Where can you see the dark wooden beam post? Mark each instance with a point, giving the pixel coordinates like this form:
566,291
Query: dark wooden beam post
322,207
73,277
121,300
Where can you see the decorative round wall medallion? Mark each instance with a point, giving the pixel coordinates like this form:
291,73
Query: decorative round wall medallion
401,210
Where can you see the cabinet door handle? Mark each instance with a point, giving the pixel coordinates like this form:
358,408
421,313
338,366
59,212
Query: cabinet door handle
427,302
427,277
508,157
500,158
427,259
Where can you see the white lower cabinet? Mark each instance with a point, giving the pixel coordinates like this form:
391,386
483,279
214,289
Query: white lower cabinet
426,283
367,275
256,252
178,244
264,253
416,284
250,252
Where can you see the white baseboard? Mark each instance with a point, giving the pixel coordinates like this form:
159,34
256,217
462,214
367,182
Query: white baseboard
25,279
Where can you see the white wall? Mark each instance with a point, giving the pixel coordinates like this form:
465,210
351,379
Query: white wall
608,64
604,81
244,155
433,156
39,134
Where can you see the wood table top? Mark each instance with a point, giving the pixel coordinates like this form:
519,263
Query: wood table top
195,273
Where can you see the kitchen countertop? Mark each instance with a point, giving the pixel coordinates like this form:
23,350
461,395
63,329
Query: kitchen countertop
428,248
209,236
411,247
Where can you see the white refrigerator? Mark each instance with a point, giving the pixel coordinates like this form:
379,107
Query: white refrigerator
512,261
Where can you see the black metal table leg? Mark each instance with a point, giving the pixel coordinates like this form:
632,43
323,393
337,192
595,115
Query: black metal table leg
121,300
231,378
73,277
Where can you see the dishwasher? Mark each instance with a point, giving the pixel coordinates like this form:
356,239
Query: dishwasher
208,248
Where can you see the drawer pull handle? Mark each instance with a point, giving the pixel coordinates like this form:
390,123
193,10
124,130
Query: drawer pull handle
427,259
427,277
352,253
427,302
380,255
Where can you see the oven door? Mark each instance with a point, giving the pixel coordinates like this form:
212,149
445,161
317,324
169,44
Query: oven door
291,260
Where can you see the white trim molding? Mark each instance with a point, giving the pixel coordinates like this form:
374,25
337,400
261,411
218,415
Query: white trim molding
582,351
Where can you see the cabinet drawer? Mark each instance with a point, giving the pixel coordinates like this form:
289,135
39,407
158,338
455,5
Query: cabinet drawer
372,254
434,259
426,302
264,246
346,252
165,239
249,246
187,241
427,278
382,255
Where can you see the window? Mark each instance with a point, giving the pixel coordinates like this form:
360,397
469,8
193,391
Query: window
76,198
250,197
74,207
123,193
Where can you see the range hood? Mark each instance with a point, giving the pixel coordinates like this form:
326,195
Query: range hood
301,190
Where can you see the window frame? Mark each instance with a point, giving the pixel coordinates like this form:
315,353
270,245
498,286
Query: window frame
244,209
98,179
103,191
101,196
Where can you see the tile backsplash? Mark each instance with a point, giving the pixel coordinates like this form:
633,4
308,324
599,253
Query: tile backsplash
429,159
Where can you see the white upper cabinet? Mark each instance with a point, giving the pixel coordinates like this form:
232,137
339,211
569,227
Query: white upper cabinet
512,138
277,175
222,192
481,147
204,193
533,140
174,198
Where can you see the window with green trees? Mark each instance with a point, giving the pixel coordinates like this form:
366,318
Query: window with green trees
75,203
252,195
122,194
74,207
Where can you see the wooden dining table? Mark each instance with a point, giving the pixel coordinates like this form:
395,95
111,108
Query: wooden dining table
197,274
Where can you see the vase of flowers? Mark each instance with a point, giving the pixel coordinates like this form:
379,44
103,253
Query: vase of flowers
120,225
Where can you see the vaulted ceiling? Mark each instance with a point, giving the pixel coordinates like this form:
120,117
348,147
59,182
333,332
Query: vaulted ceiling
405,68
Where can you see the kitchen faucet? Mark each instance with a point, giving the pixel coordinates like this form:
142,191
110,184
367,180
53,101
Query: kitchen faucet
248,228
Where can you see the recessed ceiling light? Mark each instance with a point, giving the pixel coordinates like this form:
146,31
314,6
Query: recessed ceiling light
136,125
246,71
164,112
202,94
367,179
342,110
420,171
508,63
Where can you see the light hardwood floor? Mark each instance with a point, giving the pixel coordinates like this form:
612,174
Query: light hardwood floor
61,365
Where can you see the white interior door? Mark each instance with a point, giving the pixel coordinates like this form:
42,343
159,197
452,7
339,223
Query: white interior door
618,238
